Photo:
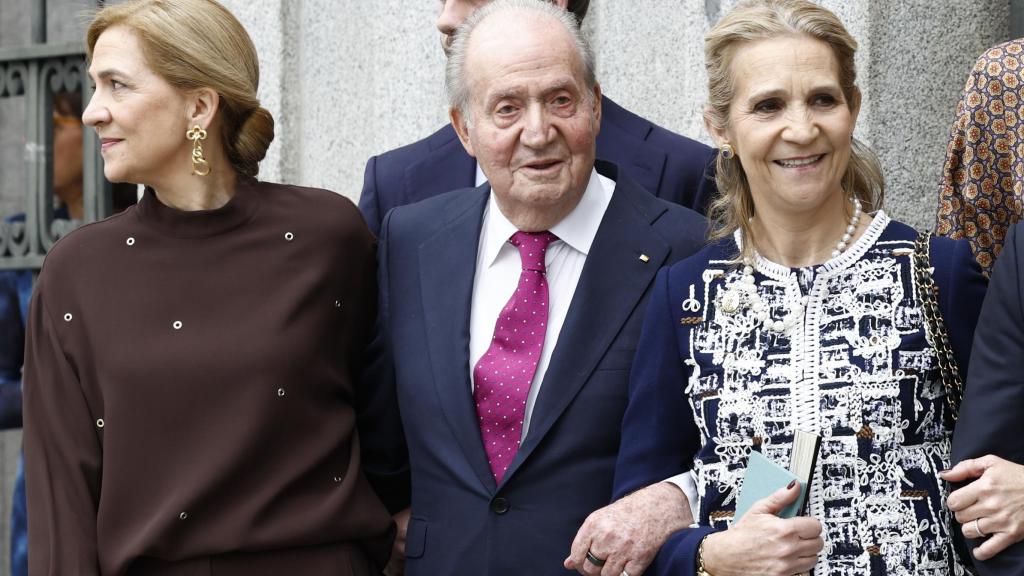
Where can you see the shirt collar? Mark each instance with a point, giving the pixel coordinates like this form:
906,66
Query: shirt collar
577,229
480,176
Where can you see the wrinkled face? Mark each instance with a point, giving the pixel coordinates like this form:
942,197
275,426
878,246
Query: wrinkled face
454,12
140,118
790,125
533,123
67,157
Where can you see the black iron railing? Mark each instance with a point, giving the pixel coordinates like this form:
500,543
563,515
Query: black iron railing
36,72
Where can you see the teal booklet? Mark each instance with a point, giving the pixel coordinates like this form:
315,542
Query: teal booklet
764,477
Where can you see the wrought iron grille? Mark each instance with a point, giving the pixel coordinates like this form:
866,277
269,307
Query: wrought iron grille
36,72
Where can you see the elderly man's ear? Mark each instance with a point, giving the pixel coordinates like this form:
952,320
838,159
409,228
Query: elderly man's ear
597,109
460,121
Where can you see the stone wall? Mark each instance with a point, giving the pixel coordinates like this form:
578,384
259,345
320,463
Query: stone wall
347,79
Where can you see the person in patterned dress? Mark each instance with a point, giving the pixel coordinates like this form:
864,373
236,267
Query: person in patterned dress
800,314
983,176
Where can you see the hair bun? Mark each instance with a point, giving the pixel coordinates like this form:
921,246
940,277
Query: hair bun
252,140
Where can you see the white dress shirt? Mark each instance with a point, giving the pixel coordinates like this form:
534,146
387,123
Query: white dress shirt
498,266
480,176
684,481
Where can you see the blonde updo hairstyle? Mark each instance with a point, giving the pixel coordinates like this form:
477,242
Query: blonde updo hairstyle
752,21
195,44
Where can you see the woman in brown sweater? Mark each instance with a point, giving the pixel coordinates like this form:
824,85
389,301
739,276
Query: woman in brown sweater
190,373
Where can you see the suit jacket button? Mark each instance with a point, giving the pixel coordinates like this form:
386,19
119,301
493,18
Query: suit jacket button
499,505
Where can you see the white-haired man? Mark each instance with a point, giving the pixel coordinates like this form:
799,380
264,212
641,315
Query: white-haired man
668,165
511,311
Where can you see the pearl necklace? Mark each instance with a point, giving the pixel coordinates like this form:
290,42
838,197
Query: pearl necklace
850,230
745,291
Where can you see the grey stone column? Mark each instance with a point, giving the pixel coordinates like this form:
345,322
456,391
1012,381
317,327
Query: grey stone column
921,53
344,80
267,23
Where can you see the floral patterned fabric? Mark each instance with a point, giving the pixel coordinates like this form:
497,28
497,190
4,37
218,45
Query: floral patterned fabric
983,176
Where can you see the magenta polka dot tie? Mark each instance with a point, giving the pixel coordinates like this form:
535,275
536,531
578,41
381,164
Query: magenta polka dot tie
503,374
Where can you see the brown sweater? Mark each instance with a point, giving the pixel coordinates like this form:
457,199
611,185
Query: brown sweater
189,391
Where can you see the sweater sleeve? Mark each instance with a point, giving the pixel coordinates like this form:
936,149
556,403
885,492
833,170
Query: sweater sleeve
63,454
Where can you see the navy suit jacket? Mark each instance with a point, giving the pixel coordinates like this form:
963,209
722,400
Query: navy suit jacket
462,521
993,406
668,165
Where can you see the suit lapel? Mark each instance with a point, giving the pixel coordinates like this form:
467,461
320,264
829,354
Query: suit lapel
447,167
613,282
447,266
648,164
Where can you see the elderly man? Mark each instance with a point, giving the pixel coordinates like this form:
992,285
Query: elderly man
510,312
668,165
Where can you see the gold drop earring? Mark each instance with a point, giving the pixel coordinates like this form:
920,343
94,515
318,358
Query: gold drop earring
200,167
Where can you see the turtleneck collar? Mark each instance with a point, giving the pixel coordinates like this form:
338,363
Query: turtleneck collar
201,223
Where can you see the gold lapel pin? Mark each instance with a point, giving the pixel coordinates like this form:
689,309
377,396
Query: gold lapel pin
645,258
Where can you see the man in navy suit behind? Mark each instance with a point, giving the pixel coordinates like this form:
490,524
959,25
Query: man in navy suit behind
668,165
988,447
511,447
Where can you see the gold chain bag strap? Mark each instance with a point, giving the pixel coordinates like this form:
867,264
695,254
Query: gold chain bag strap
935,327
935,331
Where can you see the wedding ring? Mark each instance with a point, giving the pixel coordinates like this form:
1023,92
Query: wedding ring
594,559
977,528
624,573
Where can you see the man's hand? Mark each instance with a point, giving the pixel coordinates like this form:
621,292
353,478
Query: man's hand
396,565
993,502
628,533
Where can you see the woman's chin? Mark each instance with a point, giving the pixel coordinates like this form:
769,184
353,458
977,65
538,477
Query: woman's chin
114,175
